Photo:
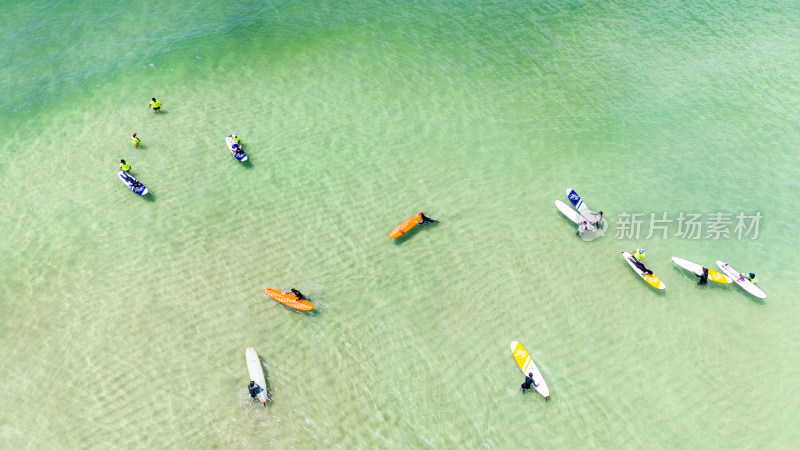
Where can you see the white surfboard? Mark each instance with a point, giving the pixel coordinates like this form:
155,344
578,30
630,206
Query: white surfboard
525,363
697,269
573,215
256,372
737,277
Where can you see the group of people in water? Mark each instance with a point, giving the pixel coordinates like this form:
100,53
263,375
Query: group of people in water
637,256
125,167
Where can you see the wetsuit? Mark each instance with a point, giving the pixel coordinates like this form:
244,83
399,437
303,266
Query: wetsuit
254,390
703,276
528,383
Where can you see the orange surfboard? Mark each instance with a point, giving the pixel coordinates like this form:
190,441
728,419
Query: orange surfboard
407,225
289,300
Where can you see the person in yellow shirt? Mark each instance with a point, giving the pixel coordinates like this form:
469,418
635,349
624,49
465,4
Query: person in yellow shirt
155,104
135,139
123,166
637,256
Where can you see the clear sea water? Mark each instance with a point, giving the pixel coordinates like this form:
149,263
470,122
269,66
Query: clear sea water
125,319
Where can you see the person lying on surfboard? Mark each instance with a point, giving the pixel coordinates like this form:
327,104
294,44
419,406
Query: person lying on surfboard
237,148
529,382
638,259
426,219
254,390
297,294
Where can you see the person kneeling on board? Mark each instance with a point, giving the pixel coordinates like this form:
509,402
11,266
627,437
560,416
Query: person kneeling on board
254,390
529,382
638,259
703,275
584,227
749,276
426,219
237,148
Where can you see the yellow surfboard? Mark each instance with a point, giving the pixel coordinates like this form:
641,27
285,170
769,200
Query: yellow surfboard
713,275
405,226
289,300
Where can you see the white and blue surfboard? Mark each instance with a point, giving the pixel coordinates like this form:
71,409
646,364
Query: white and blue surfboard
128,179
584,210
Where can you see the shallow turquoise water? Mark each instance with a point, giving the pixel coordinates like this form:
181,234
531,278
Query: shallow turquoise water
126,319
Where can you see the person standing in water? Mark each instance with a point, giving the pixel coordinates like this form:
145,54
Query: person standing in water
529,382
254,390
599,220
123,166
135,140
703,276
155,104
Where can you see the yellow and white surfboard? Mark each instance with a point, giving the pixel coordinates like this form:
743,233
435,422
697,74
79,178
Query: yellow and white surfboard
525,362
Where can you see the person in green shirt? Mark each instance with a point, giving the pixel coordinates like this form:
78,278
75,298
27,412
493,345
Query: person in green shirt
123,166
135,139
749,276
155,104
638,259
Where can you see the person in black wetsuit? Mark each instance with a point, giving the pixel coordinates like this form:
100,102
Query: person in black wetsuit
529,382
426,219
298,294
254,390
703,276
